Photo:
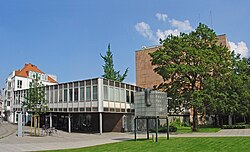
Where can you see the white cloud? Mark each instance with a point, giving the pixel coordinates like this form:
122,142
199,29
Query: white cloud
177,26
164,34
183,26
145,30
161,17
240,48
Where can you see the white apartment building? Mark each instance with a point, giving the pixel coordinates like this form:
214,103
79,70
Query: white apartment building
20,80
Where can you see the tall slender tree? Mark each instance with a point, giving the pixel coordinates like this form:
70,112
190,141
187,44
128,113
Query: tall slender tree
108,67
35,102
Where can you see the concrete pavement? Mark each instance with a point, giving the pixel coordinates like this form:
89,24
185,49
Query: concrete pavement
64,140
7,129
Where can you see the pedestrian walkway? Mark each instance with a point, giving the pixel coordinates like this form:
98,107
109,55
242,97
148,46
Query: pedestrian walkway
7,129
64,140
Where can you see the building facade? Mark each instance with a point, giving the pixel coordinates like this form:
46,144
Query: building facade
145,75
19,80
93,105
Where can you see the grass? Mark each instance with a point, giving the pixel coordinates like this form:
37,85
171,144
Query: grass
204,130
222,144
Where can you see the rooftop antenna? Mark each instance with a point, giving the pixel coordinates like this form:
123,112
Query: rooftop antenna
211,19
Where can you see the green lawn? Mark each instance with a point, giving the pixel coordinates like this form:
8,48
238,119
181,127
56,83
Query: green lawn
188,130
220,144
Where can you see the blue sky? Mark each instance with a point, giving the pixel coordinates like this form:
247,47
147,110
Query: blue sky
66,37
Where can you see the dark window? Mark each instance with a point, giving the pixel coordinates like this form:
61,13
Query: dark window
75,94
127,96
70,95
65,95
88,93
95,93
105,81
94,109
106,109
82,109
88,82
82,83
88,109
122,85
75,84
70,109
132,97
111,83
94,81
117,84
70,85
82,94
75,109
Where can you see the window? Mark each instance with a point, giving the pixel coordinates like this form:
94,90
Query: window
106,93
127,96
60,95
70,94
132,97
82,94
117,94
65,95
19,84
95,93
51,94
88,93
75,94
56,94
122,95
111,93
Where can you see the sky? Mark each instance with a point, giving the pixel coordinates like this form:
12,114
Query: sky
66,37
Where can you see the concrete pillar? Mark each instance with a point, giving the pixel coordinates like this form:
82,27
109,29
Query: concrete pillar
20,126
100,122
50,120
69,120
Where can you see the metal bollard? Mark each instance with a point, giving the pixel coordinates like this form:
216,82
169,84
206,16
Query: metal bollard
153,138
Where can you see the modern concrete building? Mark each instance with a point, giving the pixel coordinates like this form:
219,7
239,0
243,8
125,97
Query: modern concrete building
19,80
145,75
92,105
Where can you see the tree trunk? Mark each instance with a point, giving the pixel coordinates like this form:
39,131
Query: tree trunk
195,120
35,123
31,123
38,125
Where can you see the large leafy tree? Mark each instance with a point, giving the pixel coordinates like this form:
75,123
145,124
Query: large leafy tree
186,61
108,67
230,94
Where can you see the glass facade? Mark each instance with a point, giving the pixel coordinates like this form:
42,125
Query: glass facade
84,96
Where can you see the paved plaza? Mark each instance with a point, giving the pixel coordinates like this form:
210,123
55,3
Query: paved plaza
64,140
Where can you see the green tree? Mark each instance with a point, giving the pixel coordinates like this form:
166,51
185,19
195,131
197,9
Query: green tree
108,67
35,101
186,61
230,94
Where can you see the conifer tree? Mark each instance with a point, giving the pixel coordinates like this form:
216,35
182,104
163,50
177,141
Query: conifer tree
108,67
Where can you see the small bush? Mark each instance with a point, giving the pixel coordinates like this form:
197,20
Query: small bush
233,126
164,129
